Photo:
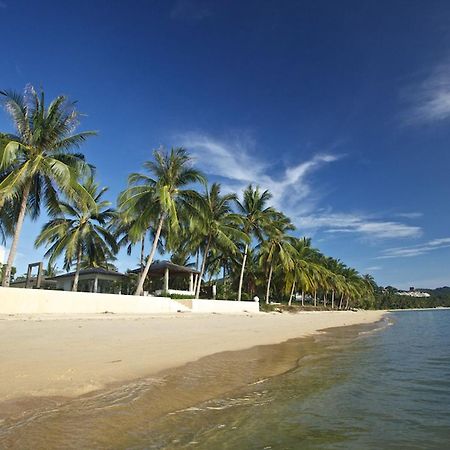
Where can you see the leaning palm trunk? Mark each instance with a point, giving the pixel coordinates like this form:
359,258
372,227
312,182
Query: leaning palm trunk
341,301
142,254
303,298
324,299
292,293
241,277
202,270
77,271
332,299
140,287
315,298
268,284
347,303
15,241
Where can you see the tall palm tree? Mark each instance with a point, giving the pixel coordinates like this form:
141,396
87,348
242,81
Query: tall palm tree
163,193
256,217
218,225
302,275
38,162
80,230
277,249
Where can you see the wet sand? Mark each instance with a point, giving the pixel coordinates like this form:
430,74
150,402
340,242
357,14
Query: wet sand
61,356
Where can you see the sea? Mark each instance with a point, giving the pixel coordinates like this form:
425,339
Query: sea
379,386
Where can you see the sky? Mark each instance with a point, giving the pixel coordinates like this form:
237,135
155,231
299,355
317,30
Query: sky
340,109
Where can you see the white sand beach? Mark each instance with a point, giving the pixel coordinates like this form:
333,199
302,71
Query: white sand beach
73,355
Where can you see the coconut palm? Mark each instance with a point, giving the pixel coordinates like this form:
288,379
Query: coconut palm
219,226
277,249
256,217
38,162
163,193
80,230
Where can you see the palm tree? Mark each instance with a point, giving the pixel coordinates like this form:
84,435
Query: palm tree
80,230
256,217
302,274
8,217
37,162
219,226
163,196
277,249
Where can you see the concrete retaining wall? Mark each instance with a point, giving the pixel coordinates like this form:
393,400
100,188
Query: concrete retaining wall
37,301
224,306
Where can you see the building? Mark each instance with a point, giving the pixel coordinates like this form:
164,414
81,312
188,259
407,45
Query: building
184,278
94,279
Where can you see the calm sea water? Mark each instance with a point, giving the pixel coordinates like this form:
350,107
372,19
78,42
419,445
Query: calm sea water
382,387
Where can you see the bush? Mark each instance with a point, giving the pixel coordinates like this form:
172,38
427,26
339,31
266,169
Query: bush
181,297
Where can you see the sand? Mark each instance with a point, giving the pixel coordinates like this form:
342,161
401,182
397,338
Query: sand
68,356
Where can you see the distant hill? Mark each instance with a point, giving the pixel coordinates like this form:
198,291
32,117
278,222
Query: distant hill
387,298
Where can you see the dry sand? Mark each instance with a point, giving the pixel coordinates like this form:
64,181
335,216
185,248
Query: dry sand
73,355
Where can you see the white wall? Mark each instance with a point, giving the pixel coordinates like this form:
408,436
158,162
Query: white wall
39,301
224,306
30,301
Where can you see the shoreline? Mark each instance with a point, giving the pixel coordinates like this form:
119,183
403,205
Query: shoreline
63,357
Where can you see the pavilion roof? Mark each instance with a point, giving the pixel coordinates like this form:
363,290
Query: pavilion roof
91,271
159,267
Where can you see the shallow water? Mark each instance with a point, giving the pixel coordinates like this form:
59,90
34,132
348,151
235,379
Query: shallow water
358,387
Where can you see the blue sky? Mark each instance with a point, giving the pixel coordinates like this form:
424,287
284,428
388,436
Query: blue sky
341,109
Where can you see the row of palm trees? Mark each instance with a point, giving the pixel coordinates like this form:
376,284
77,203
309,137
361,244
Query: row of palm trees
169,204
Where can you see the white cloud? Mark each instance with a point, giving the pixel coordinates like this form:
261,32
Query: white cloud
410,215
416,250
360,224
236,163
430,100
372,268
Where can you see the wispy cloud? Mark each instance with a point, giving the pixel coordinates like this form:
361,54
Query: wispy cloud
416,250
429,100
372,268
190,10
236,163
359,224
410,215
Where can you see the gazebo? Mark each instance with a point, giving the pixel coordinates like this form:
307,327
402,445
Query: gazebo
167,270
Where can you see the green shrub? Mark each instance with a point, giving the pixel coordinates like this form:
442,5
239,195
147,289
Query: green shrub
181,297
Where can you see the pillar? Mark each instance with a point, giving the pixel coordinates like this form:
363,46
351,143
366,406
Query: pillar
191,282
166,280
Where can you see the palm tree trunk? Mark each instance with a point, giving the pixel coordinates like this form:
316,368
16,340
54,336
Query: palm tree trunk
332,299
268,284
303,298
341,301
142,253
140,287
346,305
324,299
15,241
292,293
202,270
315,298
77,271
241,277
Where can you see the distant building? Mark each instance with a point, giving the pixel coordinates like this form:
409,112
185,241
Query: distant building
90,280
413,293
